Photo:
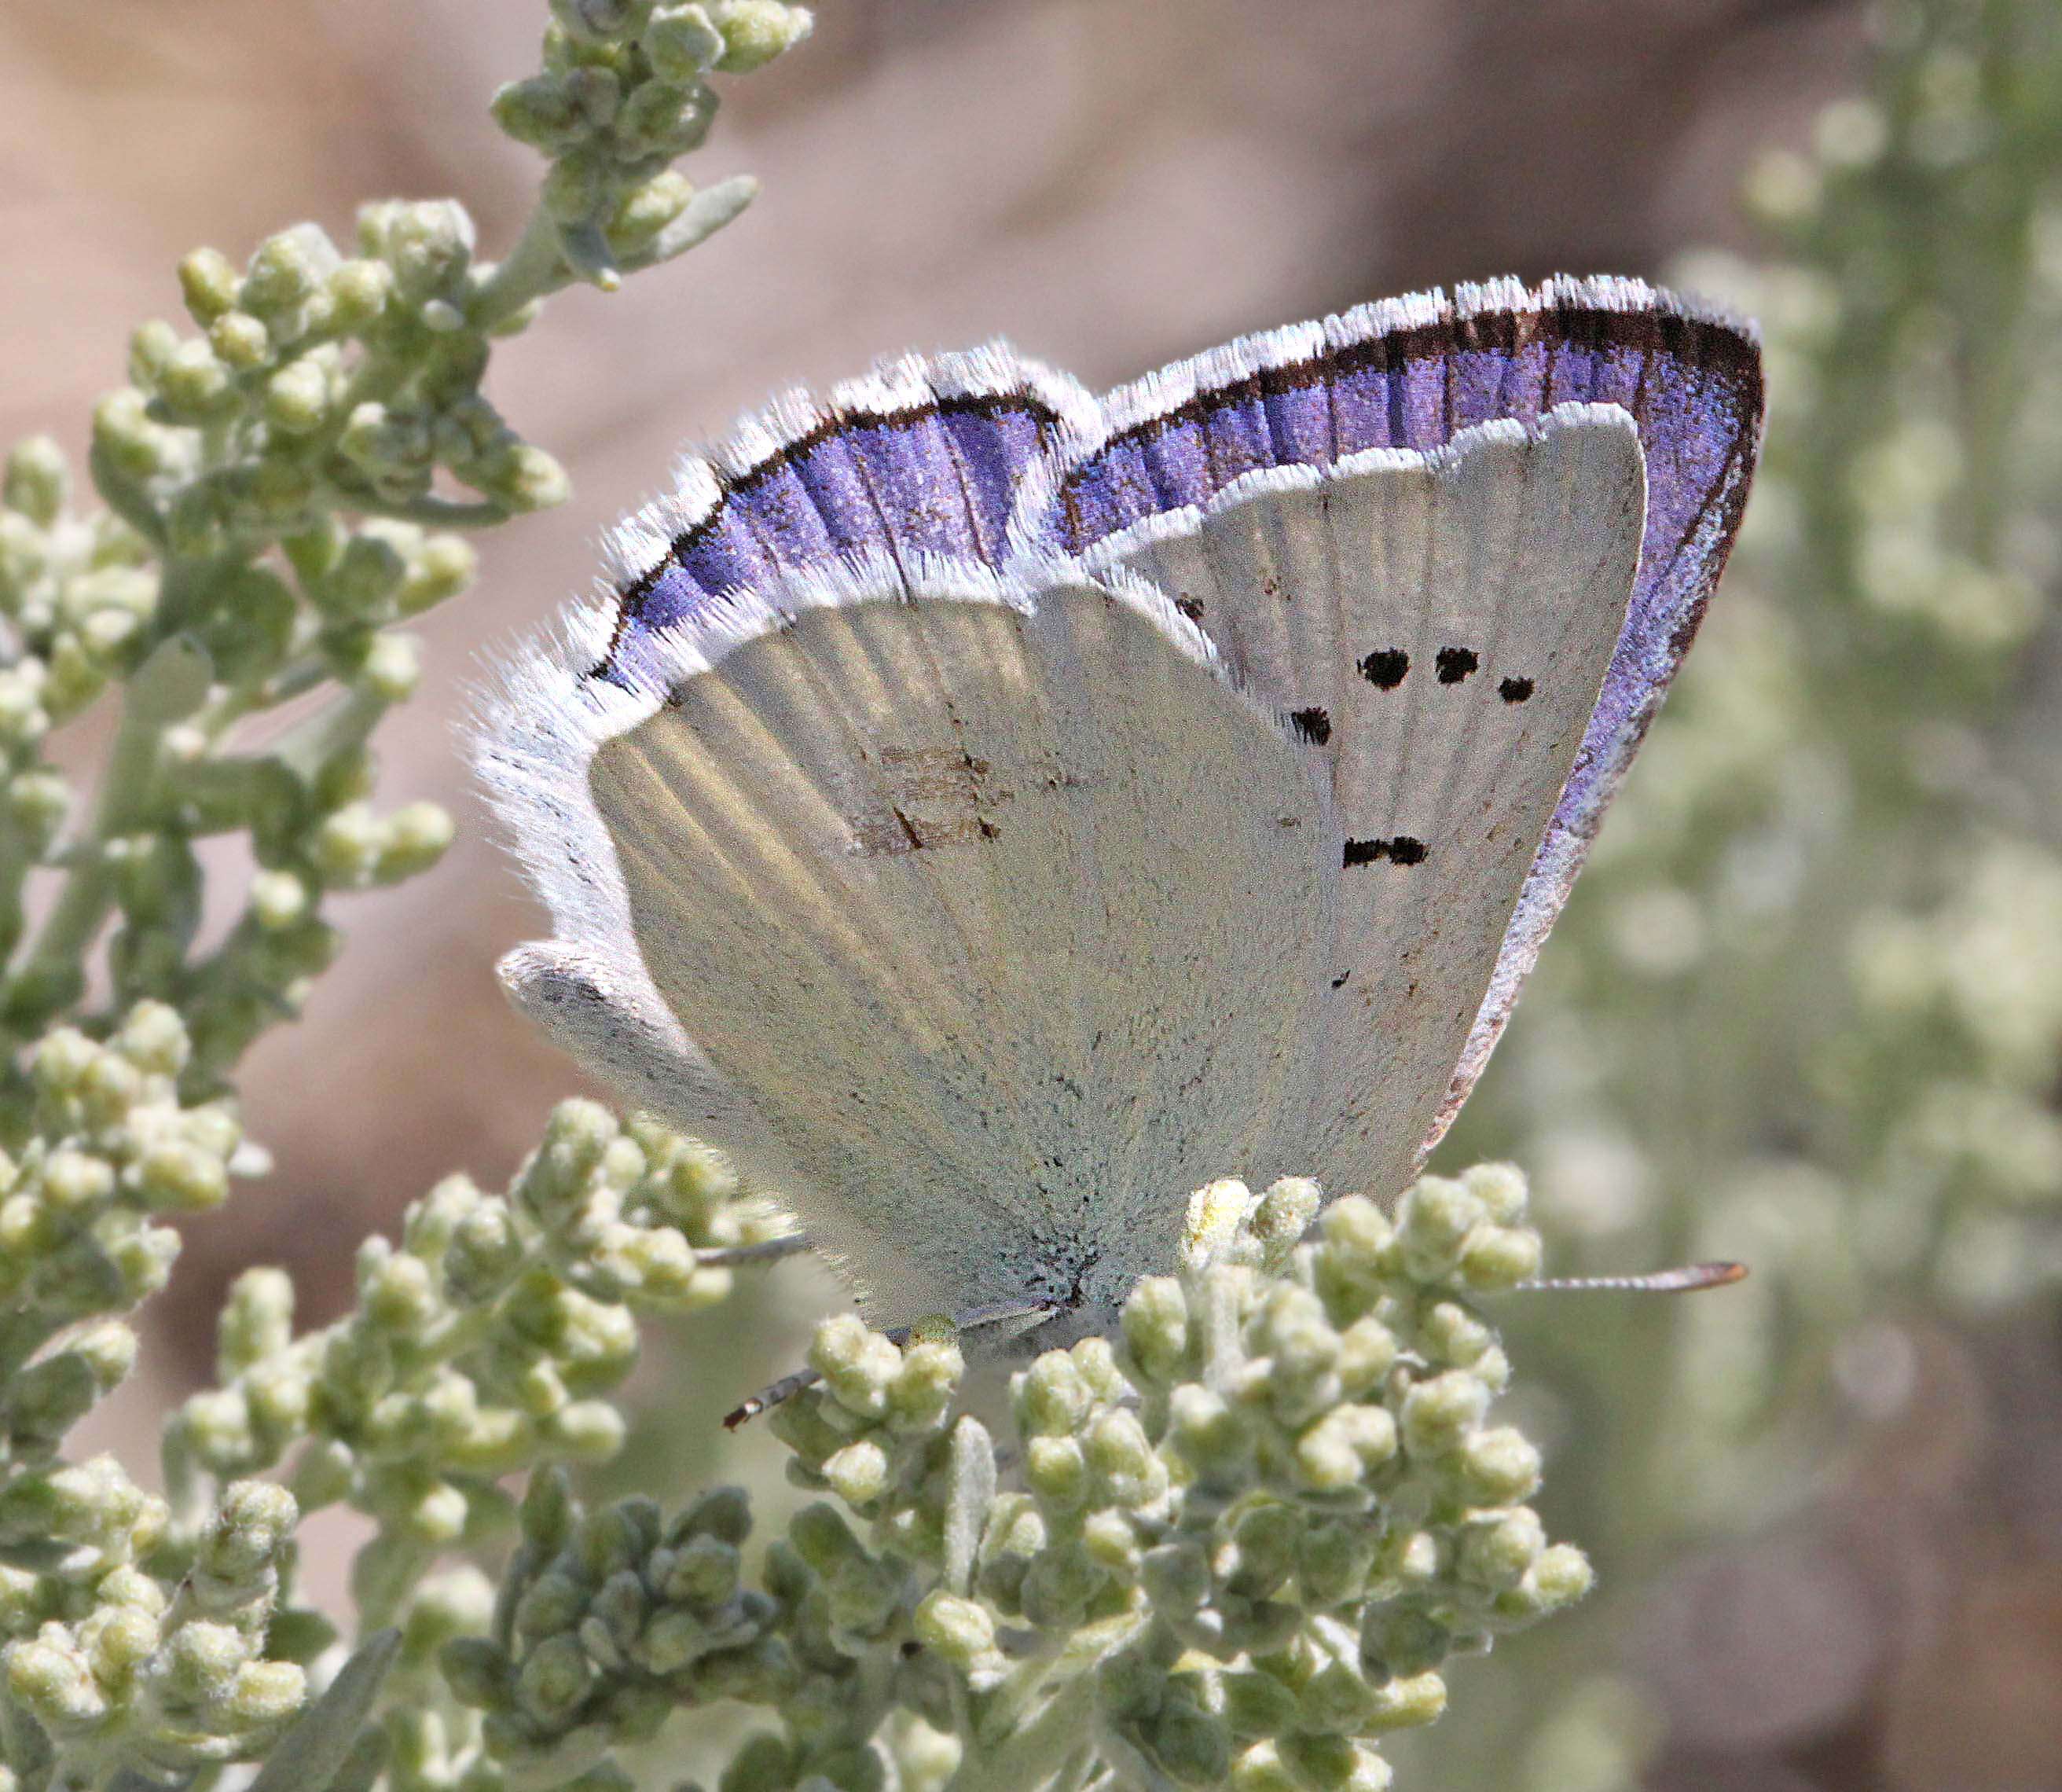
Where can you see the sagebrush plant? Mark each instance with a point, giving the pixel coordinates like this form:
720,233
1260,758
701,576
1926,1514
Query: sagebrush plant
1235,1544
1807,1000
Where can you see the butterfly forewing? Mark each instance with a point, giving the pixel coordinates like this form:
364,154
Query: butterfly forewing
1003,921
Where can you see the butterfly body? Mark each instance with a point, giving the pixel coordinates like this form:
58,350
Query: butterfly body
992,812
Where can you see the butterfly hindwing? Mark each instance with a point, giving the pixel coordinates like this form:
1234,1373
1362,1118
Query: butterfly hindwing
1410,374
1437,628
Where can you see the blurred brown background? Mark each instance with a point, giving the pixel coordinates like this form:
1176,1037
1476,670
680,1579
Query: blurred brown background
1108,186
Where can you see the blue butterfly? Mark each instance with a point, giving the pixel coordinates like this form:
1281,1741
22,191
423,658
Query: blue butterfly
990,811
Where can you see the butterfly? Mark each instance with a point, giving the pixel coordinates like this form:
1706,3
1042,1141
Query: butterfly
989,810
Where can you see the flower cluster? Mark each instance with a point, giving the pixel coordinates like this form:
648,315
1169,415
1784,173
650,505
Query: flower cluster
487,1341
283,480
164,1680
114,1150
1235,1545
1806,1005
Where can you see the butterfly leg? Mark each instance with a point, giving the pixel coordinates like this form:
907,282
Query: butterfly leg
998,1312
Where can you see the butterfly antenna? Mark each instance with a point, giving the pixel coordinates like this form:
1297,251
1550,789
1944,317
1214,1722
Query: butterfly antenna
1685,1281
996,1313
771,1250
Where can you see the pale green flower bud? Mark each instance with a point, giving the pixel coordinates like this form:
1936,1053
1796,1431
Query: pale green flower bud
682,44
1439,1412
297,397
1216,1212
1207,1432
1452,1334
1559,1577
1496,1258
1055,1471
416,836
857,1364
347,847
152,348
108,1351
37,480
76,1183
587,1430
287,270
1121,1457
1337,1450
756,31
428,243
1433,1223
199,1661
207,282
661,120
1501,1189
278,900
1284,1215
180,1177
554,1679
704,1572
1358,1236
441,567
123,432
1408,1703
523,478
959,1629
1155,1326
1178,1575
55,1683
1499,1466
37,801
1366,1353
858,1473
24,721
1499,1555
545,111
266,1692
240,340
194,384
154,1038
1257,1704
117,1642
358,293
1050,1396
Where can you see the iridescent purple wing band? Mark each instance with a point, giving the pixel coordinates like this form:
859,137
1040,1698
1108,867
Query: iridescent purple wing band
1409,373
922,455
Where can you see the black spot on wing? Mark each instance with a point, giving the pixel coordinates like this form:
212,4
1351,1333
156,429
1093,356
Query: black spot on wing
1314,724
1190,607
1384,670
1455,664
1401,850
1515,690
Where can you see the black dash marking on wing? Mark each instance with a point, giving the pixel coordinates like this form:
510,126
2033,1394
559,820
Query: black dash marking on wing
1515,690
1314,724
1455,664
1401,850
1385,669
1339,981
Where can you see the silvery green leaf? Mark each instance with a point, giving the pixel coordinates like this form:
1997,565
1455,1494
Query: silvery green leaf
971,1478
367,1760
323,1740
705,214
